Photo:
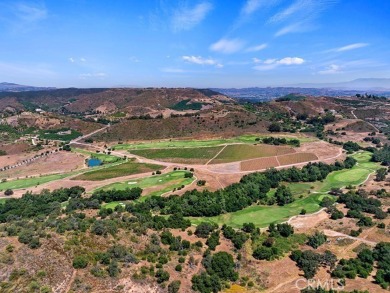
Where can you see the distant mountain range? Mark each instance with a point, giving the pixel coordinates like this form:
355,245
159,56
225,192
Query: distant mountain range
378,84
13,87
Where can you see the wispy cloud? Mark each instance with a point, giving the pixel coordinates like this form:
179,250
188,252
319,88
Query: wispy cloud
269,64
186,18
257,48
201,61
301,15
350,47
252,6
331,69
134,59
77,60
172,70
30,12
227,46
96,75
22,17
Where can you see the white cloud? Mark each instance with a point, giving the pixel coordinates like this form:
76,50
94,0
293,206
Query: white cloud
257,48
331,69
350,47
186,18
291,61
201,61
269,64
98,75
227,46
77,60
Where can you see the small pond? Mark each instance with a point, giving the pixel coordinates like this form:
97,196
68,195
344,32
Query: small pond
93,162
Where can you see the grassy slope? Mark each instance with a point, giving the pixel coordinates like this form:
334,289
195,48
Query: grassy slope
125,169
262,216
29,182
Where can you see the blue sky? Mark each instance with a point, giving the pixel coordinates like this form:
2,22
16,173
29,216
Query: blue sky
192,43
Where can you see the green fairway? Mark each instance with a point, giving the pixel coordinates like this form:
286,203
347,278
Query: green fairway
355,176
161,183
249,138
128,168
29,182
180,155
106,159
262,215
112,205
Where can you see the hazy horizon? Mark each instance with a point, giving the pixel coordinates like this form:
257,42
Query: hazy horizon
205,43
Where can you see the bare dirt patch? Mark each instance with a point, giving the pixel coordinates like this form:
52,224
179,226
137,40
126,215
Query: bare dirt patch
296,158
259,164
59,162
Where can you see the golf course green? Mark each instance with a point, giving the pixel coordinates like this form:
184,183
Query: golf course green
161,184
308,196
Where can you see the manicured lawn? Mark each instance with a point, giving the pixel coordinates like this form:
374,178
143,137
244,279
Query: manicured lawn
180,155
106,159
112,205
29,182
239,152
355,176
262,215
125,169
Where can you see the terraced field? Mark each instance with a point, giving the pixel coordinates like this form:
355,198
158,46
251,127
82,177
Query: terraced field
249,138
259,164
199,155
296,158
240,152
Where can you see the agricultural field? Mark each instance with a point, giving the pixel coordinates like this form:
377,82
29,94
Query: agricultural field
240,152
259,164
128,168
296,158
308,197
199,155
248,138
